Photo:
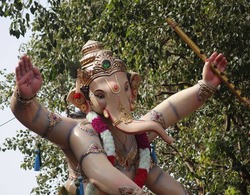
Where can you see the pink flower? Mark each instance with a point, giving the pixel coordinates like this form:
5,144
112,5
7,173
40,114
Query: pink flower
99,125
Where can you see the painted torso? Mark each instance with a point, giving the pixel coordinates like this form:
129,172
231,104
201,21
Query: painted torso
127,160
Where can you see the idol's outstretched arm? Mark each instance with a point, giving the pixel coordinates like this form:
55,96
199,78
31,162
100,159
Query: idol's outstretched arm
30,112
189,100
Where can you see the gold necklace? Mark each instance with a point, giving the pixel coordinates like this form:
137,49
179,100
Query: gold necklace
126,158
120,142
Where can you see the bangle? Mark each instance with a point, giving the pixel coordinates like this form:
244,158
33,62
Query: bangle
21,100
205,91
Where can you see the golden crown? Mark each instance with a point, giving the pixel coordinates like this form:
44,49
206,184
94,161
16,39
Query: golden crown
96,62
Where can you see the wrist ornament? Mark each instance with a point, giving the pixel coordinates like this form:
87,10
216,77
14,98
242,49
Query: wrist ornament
21,100
205,91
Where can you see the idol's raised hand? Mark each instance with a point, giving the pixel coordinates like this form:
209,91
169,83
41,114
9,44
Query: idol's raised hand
28,78
208,76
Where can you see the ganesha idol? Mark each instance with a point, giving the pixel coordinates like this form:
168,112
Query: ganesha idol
108,152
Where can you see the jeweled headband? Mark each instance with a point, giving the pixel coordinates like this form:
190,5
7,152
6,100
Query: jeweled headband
97,62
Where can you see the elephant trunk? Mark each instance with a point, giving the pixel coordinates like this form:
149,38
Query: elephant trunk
124,122
142,126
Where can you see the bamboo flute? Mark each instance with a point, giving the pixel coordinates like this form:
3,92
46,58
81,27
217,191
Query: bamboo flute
203,57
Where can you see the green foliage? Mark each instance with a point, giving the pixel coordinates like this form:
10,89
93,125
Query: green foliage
211,151
6,88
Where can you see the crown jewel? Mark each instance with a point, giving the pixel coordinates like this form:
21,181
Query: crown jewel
96,62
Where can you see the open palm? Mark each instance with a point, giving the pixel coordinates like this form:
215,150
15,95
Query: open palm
28,78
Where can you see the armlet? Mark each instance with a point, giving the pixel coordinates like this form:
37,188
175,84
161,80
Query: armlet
53,120
157,117
92,149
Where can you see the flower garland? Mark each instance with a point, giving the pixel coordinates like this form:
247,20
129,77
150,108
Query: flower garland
109,146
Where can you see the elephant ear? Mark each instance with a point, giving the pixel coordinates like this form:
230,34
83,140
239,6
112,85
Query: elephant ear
78,100
135,81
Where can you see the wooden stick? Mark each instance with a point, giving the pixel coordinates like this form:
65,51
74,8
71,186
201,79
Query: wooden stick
203,57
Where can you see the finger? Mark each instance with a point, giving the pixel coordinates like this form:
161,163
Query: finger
212,57
222,64
18,73
37,72
27,63
21,67
218,59
210,60
30,66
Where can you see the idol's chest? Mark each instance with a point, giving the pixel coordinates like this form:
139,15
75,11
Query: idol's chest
127,157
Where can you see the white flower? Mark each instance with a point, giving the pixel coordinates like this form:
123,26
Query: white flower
144,159
91,116
108,143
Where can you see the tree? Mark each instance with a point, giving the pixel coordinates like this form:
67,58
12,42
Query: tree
211,151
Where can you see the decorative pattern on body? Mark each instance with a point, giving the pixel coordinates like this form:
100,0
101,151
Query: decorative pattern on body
157,117
89,131
53,120
205,91
126,190
92,149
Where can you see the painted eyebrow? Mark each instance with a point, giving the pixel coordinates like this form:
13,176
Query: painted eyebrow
126,83
99,91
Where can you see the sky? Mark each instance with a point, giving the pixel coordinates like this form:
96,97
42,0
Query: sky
13,180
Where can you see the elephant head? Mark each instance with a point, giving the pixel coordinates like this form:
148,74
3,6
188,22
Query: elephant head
103,85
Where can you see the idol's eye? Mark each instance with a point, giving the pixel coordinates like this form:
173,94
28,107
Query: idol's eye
126,87
99,95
